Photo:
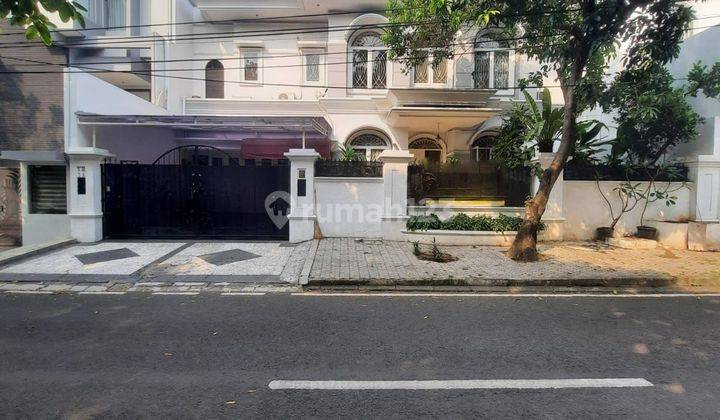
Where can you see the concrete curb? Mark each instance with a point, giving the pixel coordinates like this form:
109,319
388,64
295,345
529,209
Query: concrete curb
629,282
23,252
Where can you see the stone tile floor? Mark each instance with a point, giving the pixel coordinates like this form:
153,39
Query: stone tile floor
164,263
343,259
64,261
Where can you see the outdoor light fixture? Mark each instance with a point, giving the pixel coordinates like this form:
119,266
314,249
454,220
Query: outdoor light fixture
81,184
301,183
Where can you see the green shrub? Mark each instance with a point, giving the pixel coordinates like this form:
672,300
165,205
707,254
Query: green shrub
463,222
431,222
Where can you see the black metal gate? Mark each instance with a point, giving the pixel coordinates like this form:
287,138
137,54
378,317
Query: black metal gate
190,201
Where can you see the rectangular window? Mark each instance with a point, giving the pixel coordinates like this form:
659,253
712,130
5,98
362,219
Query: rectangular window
379,73
250,66
501,72
360,58
440,72
115,11
48,190
312,67
481,75
421,72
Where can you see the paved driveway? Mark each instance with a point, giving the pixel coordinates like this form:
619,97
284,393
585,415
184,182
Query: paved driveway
172,261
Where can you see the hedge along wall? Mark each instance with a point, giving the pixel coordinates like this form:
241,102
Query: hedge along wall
585,210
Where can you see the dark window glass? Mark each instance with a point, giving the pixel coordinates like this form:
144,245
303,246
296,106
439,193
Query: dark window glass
48,190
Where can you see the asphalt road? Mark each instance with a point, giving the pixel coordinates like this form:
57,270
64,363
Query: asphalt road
209,356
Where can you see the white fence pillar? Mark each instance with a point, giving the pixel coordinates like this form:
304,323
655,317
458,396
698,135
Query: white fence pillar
395,168
85,191
302,194
704,172
554,213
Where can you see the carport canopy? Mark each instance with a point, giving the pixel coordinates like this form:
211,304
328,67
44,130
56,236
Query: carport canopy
311,125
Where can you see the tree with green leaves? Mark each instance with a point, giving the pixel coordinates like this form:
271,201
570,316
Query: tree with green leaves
703,79
32,15
652,115
573,40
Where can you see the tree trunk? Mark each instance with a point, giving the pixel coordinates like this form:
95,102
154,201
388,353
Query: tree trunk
524,247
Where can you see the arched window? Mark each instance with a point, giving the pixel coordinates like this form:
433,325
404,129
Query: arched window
491,63
426,148
370,142
482,146
214,79
369,61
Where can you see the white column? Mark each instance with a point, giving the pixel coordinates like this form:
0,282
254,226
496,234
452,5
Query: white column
704,172
302,207
85,211
395,168
554,214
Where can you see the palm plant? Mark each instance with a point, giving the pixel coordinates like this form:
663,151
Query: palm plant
544,123
588,145
349,154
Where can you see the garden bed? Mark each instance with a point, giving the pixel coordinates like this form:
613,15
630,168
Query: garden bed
462,229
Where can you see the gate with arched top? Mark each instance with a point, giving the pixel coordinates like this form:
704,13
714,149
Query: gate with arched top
196,192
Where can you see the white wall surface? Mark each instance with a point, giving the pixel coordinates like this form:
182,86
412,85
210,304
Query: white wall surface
585,209
350,207
143,144
87,93
39,228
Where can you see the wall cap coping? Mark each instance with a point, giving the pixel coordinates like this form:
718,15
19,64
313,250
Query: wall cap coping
85,215
468,208
459,232
396,218
396,156
357,179
302,155
89,152
302,217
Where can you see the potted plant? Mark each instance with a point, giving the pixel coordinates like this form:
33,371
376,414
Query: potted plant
629,195
654,193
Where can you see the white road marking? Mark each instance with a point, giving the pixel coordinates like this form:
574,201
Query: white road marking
30,292
242,294
176,293
464,384
460,294
101,293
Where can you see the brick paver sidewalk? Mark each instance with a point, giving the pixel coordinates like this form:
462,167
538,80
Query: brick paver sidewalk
348,260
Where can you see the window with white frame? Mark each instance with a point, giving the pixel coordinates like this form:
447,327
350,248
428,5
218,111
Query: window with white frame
48,189
369,142
429,72
250,60
369,61
312,66
115,14
492,63
482,147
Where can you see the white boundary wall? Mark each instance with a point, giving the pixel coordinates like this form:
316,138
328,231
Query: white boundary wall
585,210
350,207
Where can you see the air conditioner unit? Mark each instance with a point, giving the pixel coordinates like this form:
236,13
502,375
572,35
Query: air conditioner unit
286,96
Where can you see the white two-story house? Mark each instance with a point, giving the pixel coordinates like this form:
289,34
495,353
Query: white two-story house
152,87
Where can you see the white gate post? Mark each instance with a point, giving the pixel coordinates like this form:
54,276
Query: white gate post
302,194
395,169
85,193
